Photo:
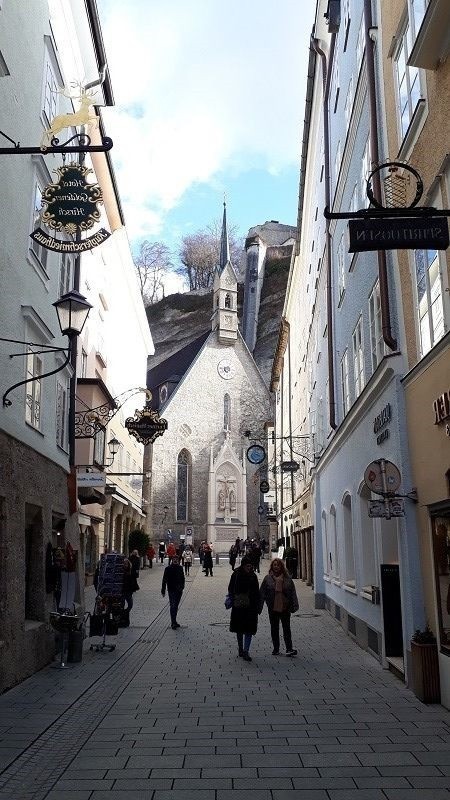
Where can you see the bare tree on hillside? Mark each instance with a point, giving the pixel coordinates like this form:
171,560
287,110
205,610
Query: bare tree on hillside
153,263
199,254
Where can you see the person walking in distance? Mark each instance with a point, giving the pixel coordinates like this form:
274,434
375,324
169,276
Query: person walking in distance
186,559
171,551
207,561
161,552
150,555
130,585
232,555
173,581
278,592
243,589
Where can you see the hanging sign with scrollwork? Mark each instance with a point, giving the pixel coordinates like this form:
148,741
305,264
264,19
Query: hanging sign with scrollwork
71,207
146,425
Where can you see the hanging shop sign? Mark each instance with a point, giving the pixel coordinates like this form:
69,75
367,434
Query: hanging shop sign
97,479
398,234
71,208
256,454
264,487
441,408
382,477
146,425
290,466
393,507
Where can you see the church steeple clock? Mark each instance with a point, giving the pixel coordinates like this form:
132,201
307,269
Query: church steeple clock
224,318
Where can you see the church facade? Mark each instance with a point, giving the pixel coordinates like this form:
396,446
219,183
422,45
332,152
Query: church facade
212,395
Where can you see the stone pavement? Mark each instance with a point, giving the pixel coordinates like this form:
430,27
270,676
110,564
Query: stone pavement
176,715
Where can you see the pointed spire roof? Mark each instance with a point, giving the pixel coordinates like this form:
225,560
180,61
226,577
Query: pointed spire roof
224,256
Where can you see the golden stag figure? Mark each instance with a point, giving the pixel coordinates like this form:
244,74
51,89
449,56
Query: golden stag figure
71,120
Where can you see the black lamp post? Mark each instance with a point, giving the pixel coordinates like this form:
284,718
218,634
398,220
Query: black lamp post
72,310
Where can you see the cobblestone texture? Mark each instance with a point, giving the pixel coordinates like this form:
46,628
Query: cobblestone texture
177,715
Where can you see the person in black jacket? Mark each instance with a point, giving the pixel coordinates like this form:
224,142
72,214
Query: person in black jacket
173,580
130,585
244,592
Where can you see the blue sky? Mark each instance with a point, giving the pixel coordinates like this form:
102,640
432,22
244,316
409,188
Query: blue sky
209,100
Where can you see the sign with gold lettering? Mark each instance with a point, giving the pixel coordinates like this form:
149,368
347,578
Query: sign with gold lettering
71,207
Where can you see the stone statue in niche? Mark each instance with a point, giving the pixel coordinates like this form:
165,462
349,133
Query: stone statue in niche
226,496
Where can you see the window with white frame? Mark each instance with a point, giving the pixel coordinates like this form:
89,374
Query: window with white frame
377,346
336,80
345,385
349,101
52,81
407,79
61,415
33,390
40,252
358,357
365,171
347,522
430,307
84,359
320,424
341,267
417,9
334,546
65,274
99,447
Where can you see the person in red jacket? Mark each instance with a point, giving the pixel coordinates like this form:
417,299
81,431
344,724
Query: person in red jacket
150,555
171,552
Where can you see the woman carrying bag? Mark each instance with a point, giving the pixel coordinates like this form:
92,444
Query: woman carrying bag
244,594
278,591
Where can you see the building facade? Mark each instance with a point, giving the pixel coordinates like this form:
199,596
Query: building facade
416,79
343,354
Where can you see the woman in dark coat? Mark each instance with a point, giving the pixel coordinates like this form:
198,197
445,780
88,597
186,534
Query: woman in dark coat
244,592
278,591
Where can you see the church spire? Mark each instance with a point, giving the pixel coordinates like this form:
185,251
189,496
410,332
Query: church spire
224,256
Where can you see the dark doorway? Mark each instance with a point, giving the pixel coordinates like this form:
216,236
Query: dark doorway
392,610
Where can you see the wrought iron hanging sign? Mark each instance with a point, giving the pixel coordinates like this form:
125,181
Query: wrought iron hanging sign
146,425
394,221
71,208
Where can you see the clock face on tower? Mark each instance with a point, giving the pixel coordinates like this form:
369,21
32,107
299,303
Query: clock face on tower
225,369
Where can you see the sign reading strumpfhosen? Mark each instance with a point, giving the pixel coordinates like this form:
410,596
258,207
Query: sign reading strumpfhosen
398,234
71,207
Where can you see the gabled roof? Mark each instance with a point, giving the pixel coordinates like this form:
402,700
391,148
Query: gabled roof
174,367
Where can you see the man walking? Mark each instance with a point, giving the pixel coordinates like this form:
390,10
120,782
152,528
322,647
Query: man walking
173,580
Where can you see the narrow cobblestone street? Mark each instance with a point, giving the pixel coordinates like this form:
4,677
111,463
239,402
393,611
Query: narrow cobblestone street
176,715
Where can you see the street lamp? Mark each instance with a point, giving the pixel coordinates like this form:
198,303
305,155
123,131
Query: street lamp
72,310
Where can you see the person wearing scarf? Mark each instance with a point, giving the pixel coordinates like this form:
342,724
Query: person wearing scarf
278,592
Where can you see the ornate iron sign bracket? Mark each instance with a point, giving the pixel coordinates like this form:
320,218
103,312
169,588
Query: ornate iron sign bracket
90,421
84,146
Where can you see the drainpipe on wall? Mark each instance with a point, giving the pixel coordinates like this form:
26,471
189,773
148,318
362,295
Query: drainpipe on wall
326,79
382,265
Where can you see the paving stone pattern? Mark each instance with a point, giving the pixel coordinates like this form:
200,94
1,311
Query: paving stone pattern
176,715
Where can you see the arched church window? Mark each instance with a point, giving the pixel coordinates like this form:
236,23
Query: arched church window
227,412
183,475
227,301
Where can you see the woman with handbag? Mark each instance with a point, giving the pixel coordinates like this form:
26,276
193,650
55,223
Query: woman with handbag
278,591
244,593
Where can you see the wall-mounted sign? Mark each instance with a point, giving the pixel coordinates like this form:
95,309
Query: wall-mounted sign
264,487
380,424
441,408
71,207
146,425
97,479
394,507
398,234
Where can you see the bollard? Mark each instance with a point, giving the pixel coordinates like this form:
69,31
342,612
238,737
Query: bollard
217,559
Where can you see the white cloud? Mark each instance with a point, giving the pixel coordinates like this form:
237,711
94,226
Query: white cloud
200,87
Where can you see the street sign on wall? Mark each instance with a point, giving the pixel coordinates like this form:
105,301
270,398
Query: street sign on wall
382,476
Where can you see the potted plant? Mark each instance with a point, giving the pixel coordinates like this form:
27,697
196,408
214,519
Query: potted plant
425,666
